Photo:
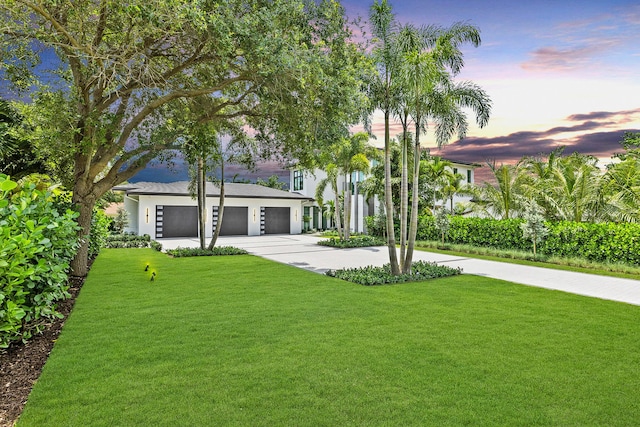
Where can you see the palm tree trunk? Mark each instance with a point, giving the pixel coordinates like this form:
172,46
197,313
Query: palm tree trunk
388,199
337,211
347,207
404,199
413,225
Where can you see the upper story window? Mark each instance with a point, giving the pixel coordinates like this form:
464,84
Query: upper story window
298,180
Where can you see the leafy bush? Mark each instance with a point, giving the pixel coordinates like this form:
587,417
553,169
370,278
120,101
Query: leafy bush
369,276
99,232
128,238
218,250
38,239
599,242
115,241
354,242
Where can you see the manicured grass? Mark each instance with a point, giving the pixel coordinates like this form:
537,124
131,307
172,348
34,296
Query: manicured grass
244,341
511,257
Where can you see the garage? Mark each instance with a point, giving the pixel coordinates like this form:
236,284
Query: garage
176,221
235,221
277,220
167,210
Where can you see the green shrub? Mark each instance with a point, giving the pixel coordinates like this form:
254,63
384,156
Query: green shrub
155,245
598,242
127,238
218,250
354,242
38,239
115,241
99,232
369,276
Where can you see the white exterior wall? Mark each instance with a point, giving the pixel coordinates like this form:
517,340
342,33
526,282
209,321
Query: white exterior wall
131,206
147,205
462,170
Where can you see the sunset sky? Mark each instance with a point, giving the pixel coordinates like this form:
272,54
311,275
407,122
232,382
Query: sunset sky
559,73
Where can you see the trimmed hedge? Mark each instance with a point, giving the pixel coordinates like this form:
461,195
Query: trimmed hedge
116,241
359,241
218,250
599,242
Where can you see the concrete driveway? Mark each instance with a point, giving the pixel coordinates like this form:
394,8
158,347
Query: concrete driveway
303,251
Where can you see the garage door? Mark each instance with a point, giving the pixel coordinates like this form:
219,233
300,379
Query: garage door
235,221
276,221
176,221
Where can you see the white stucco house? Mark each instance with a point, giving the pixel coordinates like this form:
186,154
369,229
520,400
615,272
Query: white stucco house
165,210
305,183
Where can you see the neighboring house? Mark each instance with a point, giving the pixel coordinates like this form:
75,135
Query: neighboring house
467,170
306,182
164,210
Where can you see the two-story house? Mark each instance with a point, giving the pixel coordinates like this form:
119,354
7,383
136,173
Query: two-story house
306,183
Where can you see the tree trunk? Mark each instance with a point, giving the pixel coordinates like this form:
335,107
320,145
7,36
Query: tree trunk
413,226
202,202
388,199
216,232
347,208
404,199
337,212
84,206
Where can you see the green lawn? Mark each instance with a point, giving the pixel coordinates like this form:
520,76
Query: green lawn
242,341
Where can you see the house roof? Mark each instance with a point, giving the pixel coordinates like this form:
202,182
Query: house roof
231,189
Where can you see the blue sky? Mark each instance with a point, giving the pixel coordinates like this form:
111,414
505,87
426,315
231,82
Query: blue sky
559,73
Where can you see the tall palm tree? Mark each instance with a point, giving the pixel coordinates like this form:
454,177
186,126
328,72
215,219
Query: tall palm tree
432,57
381,93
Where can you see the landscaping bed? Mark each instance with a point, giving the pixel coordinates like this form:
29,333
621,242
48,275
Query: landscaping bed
21,364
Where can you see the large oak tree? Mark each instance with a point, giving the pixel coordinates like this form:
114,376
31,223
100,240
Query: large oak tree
122,69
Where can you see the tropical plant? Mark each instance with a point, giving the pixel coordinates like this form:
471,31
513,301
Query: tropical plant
416,69
502,199
340,161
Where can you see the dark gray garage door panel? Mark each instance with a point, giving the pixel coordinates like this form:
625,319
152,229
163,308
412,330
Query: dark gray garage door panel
235,221
177,221
276,220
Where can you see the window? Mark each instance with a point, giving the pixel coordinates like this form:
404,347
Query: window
298,180
455,171
469,176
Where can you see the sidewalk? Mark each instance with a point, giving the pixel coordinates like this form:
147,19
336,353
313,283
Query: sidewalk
303,251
